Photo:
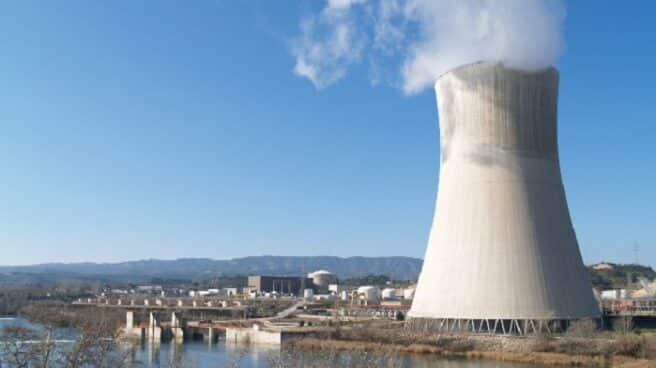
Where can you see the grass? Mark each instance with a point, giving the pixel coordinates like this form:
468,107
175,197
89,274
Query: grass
582,347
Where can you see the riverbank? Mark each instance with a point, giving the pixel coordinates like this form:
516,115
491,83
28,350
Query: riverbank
596,350
539,358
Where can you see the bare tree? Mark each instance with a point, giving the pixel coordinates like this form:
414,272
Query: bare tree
16,349
96,343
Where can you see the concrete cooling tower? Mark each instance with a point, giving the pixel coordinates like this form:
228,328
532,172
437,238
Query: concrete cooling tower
502,254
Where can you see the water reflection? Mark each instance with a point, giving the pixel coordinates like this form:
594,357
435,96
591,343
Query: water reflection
222,354
198,354
203,355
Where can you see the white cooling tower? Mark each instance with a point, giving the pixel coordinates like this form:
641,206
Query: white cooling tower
502,254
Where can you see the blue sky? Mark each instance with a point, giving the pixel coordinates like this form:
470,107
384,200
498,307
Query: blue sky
173,129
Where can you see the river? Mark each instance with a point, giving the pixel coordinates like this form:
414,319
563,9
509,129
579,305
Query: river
203,355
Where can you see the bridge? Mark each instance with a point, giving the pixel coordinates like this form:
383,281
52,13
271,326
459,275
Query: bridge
636,307
170,321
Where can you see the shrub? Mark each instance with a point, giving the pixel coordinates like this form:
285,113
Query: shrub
623,324
650,346
630,345
583,328
543,343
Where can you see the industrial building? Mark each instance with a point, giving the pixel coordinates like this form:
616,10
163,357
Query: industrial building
279,284
322,279
502,254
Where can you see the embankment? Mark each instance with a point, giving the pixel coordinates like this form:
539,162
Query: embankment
625,351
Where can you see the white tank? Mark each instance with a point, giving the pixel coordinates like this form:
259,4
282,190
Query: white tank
502,245
308,293
388,293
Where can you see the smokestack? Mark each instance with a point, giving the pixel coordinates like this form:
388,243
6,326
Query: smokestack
502,254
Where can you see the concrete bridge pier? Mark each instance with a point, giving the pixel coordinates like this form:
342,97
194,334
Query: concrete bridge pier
177,332
154,333
130,330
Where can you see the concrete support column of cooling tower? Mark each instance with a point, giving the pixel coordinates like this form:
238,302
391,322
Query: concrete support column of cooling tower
502,246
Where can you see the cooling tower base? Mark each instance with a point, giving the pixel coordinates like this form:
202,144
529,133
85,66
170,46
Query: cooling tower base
490,326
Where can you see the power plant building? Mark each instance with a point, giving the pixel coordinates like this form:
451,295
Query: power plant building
502,254
322,279
279,284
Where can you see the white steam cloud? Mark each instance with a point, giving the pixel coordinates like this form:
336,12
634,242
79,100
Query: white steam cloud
425,38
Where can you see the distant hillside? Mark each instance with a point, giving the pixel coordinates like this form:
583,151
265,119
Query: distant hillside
603,276
616,276
398,268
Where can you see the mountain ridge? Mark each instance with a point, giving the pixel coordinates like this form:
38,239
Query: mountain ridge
396,267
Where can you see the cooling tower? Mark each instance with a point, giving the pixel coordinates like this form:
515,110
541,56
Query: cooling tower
502,254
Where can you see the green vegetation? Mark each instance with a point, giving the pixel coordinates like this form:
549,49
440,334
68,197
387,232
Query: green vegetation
618,275
13,300
224,282
366,280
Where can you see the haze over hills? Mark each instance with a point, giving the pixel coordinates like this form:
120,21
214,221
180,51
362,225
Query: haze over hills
398,268
198,269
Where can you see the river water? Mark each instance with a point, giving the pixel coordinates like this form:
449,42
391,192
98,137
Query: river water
203,355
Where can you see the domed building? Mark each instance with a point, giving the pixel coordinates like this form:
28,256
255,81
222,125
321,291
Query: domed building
322,279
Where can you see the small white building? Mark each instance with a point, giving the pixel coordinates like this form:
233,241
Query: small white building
369,293
389,293
344,296
231,291
149,288
323,297
614,294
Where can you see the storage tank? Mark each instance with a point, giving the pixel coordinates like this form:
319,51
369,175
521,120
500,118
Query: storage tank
502,247
369,293
308,293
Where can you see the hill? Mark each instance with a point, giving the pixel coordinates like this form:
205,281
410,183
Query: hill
397,268
603,275
617,276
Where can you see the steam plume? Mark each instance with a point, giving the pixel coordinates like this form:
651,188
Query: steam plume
422,39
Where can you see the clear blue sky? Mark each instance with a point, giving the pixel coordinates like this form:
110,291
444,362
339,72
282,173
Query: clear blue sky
165,129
